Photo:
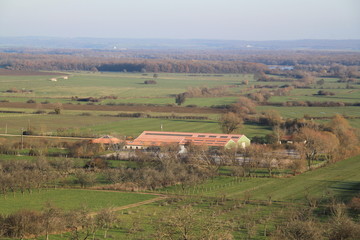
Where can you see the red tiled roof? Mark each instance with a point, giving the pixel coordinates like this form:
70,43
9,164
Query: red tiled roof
287,137
151,138
106,140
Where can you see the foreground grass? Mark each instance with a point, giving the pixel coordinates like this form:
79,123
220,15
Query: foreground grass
69,199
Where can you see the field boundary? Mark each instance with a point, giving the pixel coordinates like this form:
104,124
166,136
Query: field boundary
135,108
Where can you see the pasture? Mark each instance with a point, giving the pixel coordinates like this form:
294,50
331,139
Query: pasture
74,123
122,85
129,88
68,199
341,180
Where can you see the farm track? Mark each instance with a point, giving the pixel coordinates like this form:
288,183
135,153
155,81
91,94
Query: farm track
136,108
116,209
138,204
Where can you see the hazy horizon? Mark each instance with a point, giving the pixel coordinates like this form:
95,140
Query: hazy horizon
256,20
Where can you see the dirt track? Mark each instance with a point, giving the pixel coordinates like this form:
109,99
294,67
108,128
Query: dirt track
137,108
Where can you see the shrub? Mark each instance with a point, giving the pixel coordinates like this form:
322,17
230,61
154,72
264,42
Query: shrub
150,82
28,132
86,114
325,93
39,112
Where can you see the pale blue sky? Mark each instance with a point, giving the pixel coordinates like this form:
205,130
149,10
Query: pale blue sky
183,19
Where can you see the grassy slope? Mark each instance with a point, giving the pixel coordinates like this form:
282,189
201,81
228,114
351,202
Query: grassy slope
70,199
342,179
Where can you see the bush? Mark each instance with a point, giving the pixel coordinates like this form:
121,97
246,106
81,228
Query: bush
150,82
30,101
28,132
34,152
86,114
325,93
39,112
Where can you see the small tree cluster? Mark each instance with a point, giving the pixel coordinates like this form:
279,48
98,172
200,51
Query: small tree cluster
150,82
180,98
230,122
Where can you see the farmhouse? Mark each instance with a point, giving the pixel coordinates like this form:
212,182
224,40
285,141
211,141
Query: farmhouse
157,139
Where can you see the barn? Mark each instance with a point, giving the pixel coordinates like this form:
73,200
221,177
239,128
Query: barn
149,139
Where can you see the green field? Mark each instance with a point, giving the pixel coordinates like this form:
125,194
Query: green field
299,112
129,88
341,95
96,125
122,85
70,199
341,179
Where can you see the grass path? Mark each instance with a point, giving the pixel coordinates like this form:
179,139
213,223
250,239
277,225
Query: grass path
133,205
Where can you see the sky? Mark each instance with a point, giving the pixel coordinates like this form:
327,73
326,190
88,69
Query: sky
182,19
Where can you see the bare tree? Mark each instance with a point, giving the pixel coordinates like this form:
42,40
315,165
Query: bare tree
106,219
51,219
85,178
315,142
188,223
230,122
180,98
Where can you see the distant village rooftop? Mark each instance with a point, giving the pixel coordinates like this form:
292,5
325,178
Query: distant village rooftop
106,140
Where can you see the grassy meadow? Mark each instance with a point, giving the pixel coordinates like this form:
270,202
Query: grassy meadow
69,199
129,88
226,196
96,124
123,85
340,180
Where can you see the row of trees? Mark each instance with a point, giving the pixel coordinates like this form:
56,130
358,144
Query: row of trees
74,63
308,60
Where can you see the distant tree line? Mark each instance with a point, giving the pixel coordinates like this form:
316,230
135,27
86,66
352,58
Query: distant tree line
75,63
305,60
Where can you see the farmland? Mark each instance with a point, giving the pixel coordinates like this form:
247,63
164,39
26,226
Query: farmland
132,95
221,194
48,164
70,199
341,179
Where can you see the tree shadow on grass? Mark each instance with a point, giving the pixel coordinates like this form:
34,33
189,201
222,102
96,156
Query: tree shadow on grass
344,190
258,125
189,120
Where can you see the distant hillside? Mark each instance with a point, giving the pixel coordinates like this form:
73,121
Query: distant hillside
111,43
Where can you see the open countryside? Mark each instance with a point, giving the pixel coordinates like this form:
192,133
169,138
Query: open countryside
246,151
